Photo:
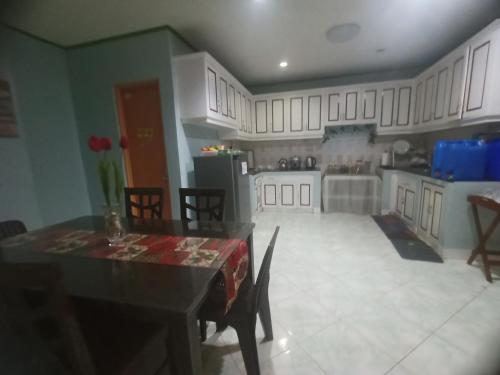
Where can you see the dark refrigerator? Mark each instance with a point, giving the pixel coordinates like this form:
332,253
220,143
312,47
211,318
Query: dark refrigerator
228,172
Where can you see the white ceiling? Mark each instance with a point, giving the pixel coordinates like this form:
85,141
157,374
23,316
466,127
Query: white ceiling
251,37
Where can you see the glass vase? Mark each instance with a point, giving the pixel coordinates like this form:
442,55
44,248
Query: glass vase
113,226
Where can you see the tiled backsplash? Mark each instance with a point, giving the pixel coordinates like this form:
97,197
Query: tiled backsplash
341,149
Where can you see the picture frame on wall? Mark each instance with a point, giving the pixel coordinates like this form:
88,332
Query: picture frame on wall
8,124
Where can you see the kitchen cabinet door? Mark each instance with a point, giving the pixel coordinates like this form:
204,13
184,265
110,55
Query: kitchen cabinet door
250,124
369,104
437,202
305,199
409,204
287,195
270,194
428,98
334,104
296,114
458,76
440,97
237,110
387,107
430,212
213,100
278,115
419,93
314,113
351,105
232,102
400,199
261,116
223,97
404,106
477,77
243,113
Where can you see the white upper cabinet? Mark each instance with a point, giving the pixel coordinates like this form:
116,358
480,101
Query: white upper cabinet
206,92
462,88
482,93
396,106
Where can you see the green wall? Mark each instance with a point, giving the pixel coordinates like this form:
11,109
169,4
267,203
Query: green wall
95,69
42,180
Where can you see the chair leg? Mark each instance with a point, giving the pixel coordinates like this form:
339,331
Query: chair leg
265,318
245,328
203,329
220,326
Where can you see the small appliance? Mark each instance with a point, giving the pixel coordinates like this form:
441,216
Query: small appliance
283,164
310,162
295,163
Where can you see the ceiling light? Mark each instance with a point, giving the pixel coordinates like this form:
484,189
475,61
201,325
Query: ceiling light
343,33
283,64
380,50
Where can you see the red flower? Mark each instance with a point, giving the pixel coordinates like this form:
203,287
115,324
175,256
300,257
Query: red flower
105,143
123,142
95,144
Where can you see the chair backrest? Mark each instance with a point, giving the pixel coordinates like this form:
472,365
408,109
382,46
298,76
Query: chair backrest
144,203
208,204
262,284
36,303
11,228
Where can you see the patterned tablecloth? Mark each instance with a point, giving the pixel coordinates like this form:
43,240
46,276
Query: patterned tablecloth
230,256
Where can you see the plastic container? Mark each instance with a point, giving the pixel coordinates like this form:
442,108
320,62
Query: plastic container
440,149
461,160
493,160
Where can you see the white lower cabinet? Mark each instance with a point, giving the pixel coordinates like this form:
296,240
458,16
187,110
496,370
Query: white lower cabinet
287,192
431,198
406,199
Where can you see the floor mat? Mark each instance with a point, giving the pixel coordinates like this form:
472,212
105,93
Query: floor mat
407,244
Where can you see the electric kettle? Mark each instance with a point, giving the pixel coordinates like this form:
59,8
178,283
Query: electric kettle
310,162
283,164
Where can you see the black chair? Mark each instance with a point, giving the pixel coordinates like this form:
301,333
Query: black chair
144,203
91,341
242,315
11,228
208,204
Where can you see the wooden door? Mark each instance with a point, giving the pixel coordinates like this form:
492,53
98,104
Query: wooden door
440,97
224,102
213,100
418,102
231,102
457,83
139,110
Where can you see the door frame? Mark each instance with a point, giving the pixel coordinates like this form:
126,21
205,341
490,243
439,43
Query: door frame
121,121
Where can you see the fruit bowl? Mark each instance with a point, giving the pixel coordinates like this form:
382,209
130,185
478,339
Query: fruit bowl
209,153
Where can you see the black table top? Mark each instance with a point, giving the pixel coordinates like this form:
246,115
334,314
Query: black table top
166,288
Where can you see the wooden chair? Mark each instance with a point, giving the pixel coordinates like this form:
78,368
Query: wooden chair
208,204
148,202
93,343
11,228
242,315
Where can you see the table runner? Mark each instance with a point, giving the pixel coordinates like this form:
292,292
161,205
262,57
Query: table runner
228,255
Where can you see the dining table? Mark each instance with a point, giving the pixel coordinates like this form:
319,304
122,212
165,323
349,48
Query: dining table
170,294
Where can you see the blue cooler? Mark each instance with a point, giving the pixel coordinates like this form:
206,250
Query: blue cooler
493,160
461,160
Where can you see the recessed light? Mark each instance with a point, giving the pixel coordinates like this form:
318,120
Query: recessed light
283,64
343,33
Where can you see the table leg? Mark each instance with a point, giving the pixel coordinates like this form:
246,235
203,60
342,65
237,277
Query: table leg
184,345
483,238
251,257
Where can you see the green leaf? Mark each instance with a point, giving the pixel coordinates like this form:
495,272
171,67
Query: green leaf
103,168
119,184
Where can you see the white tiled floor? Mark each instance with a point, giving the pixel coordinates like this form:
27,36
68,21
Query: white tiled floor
344,302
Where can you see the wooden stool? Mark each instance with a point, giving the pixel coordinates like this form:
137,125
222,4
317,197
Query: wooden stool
490,204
